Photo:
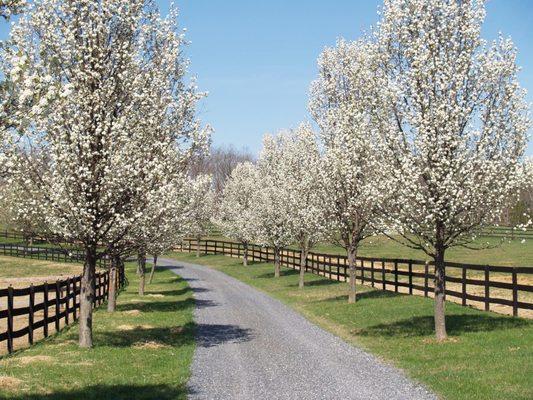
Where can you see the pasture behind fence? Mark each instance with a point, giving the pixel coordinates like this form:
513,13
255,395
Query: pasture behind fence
39,310
492,288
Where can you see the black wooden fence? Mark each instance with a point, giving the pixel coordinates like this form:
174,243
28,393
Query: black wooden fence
46,308
481,285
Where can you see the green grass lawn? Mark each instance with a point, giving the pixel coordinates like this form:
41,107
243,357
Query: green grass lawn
488,356
143,351
493,251
512,253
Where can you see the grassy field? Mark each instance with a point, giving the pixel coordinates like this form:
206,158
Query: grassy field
143,351
510,253
488,356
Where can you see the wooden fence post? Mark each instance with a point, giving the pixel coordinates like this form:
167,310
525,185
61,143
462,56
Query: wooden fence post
384,285
426,279
410,268
372,272
396,276
45,311
487,289
67,303
31,314
515,294
463,287
57,306
10,319
75,299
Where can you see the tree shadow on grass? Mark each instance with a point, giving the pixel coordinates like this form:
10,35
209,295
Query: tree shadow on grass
319,282
455,325
205,335
288,272
112,392
370,294
167,306
178,292
176,336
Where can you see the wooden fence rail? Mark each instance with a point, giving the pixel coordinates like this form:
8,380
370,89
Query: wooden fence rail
49,306
510,289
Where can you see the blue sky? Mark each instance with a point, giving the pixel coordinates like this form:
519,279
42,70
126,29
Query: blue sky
257,58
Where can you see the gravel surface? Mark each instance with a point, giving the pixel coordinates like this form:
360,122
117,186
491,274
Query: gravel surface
251,346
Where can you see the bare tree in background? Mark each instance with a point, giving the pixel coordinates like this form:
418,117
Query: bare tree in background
219,163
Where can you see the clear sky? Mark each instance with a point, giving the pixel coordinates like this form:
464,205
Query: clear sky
256,58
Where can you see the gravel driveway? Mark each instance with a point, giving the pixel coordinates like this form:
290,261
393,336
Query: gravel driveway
251,346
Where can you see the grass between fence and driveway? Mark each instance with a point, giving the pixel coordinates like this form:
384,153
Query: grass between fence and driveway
509,253
143,351
488,356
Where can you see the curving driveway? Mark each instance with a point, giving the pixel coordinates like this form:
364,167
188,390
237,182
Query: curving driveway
250,346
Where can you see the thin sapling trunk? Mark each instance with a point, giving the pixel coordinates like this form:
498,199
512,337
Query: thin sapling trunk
440,291
154,266
198,247
245,255
141,271
352,256
113,270
303,265
277,262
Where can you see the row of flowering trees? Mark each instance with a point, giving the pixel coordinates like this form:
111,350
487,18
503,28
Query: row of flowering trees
423,128
98,131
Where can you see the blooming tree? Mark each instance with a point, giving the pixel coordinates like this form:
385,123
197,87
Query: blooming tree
11,7
237,206
458,125
342,103
101,86
272,207
200,208
301,175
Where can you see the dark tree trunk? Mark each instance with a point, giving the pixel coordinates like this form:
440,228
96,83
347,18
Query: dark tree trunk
141,271
277,262
352,256
154,266
303,262
87,291
113,272
440,291
245,256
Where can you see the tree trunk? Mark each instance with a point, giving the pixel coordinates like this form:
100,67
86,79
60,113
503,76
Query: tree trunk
440,291
154,266
141,271
87,291
198,247
112,298
303,263
245,256
352,255
277,262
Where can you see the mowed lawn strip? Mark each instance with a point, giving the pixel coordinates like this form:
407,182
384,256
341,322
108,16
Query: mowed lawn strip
143,351
488,356
506,253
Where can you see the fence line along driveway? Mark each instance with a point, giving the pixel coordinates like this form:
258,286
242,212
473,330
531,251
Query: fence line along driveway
34,312
507,290
250,346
